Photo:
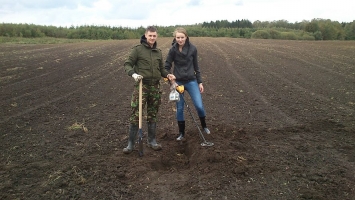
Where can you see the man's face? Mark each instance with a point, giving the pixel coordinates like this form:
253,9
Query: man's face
151,37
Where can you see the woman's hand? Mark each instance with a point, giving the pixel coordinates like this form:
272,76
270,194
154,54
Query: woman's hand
201,87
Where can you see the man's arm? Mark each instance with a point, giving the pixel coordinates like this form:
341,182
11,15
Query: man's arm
164,73
131,62
169,61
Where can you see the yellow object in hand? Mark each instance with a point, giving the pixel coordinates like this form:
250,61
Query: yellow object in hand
180,89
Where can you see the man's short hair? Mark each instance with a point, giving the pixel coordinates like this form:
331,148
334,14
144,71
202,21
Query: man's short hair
151,29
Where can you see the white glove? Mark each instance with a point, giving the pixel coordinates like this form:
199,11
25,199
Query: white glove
137,77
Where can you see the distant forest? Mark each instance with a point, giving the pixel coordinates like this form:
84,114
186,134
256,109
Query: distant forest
316,29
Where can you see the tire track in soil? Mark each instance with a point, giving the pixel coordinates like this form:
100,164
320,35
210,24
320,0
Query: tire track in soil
315,88
317,99
316,55
85,70
266,160
42,103
218,98
40,55
13,55
283,119
57,60
332,104
309,66
92,74
324,87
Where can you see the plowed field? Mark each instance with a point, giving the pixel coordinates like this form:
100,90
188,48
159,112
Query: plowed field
281,115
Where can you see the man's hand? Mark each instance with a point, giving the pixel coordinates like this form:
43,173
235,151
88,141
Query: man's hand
171,77
137,77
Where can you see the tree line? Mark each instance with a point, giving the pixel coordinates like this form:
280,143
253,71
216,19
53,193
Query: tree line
316,29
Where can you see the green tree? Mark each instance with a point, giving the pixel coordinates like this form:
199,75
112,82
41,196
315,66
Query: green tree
318,35
331,30
260,34
274,34
312,26
349,31
288,36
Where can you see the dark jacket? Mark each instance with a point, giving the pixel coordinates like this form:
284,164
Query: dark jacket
146,61
185,62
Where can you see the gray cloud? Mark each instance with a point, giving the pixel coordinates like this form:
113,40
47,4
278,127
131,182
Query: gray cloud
194,3
135,13
239,3
40,4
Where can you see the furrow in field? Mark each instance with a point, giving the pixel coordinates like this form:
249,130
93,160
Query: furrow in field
91,74
257,103
55,69
291,81
28,105
29,54
324,52
299,73
45,63
317,57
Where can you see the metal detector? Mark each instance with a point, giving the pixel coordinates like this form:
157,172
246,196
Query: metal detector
204,143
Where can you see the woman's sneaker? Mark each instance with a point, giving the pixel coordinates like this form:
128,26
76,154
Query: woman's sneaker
181,137
206,130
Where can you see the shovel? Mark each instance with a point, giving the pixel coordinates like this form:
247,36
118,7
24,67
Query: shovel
140,132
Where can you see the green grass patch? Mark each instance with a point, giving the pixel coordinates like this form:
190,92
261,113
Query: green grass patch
78,126
42,40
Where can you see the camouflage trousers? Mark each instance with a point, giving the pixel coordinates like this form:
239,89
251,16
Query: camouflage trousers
151,97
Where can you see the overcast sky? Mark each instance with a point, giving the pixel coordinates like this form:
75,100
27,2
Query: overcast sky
135,13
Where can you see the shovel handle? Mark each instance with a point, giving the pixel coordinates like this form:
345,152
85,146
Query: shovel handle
140,133
140,104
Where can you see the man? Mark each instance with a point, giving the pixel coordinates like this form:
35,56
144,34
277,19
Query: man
145,63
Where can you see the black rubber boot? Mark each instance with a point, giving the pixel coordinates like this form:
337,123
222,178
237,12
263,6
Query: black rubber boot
133,129
181,125
203,124
152,143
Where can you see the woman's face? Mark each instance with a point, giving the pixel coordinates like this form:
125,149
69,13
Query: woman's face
180,38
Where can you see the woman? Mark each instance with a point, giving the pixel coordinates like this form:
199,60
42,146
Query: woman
184,56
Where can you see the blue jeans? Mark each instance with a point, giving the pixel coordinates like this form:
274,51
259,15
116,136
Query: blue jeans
192,88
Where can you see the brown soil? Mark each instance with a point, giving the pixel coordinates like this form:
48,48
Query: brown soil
281,115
